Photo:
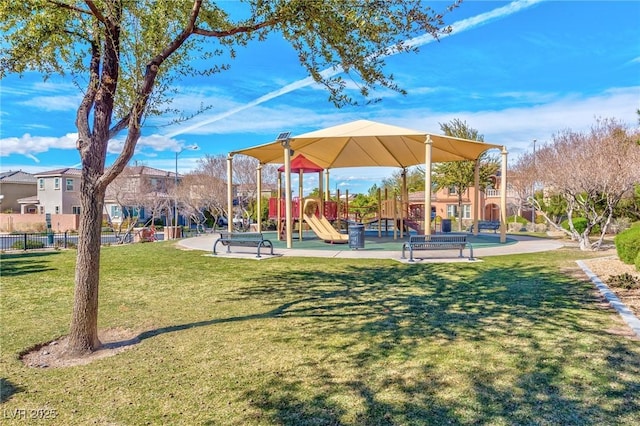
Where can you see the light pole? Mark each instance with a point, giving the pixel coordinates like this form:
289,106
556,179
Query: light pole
175,189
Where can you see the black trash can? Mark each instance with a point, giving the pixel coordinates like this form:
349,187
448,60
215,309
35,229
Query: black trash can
446,225
356,236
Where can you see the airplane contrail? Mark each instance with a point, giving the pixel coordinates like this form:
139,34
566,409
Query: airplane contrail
457,27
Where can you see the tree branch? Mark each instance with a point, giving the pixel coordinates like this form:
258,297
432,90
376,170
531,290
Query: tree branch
84,110
96,12
69,7
236,30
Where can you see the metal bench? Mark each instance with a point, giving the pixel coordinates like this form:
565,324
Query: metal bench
487,224
436,242
243,239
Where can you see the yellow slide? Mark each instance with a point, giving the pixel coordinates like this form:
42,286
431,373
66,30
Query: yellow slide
321,226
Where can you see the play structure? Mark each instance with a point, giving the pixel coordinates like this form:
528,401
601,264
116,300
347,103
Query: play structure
320,225
325,217
364,143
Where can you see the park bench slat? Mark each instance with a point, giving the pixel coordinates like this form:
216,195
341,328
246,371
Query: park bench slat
243,239
436,242
493,225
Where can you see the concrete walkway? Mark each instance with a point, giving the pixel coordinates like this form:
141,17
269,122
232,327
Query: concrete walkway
524,244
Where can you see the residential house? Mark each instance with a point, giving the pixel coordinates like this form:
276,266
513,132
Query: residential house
14,186
140,192
58,191
444,203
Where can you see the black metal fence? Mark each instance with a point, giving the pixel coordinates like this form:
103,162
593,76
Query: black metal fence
40,240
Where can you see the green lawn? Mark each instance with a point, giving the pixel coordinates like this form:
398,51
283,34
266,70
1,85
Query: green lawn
299,341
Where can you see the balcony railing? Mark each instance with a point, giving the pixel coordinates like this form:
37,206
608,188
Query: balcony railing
492,193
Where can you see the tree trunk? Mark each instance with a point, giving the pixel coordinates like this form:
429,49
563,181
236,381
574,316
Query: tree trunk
83,336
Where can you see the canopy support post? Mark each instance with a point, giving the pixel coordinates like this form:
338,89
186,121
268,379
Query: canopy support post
259,197
427,185
476,195
503,197
287,194
230,193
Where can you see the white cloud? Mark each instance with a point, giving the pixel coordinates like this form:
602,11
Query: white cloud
31,145
54,103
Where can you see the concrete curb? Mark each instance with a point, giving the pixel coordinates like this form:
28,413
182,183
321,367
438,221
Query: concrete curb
624,311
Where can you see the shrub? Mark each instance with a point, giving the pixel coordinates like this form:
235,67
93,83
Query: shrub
628,245
518,219
626,281
638,262
31,244
514,227
579,223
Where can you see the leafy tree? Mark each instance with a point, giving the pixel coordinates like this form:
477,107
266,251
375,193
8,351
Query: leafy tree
460,175
591,171
364,206
414,176
127,56
629,205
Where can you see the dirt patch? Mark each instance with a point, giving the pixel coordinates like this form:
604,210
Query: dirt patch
610,265
53,354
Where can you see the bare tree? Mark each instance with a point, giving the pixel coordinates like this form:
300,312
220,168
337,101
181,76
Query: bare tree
522,181
209,184
198,194
591,171
245,177
125,191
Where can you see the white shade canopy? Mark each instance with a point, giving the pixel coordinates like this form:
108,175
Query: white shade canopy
365,143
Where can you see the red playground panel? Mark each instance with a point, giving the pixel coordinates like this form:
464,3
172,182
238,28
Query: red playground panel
330,209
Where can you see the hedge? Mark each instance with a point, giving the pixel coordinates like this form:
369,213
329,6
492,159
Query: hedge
31,244
628,245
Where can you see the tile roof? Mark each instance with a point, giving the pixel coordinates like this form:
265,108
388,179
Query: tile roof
68,171
17,177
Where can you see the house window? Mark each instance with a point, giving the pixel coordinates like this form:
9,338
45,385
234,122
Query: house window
41,183
57,210
156,184
134,212
56,183
453,190
41,209
69,184
75,209
452,211
115,211
466,211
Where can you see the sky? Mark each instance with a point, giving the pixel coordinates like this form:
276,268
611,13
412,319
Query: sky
515,71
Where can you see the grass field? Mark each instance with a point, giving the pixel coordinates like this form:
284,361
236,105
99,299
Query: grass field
298,341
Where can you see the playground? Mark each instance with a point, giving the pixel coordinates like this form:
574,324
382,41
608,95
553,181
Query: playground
360,143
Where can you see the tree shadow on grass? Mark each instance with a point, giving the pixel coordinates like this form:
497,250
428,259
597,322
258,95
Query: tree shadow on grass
521,322
16,264
8,389
398,311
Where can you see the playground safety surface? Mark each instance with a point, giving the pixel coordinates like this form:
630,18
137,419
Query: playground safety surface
385,247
